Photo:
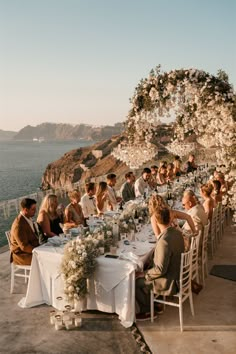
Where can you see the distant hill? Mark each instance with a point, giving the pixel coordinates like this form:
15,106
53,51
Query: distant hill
6,135
53,131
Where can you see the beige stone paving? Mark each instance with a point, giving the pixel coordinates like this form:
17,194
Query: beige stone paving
213,328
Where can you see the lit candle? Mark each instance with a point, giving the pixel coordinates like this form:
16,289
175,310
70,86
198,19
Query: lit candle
58,323
69,324
52,316
78,321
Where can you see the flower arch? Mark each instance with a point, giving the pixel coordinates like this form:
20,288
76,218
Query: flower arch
202,103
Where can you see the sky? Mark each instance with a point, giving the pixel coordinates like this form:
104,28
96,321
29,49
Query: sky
78,61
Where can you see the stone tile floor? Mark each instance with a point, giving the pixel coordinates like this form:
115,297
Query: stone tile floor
211,331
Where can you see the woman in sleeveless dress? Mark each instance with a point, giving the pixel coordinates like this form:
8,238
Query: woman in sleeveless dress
48,217
73,212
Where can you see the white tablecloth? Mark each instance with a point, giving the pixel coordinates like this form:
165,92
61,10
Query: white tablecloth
112,288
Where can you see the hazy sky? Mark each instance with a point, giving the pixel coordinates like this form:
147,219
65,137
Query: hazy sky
74,61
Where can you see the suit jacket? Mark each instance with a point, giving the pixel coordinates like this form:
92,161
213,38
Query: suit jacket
23,241
164,275
127,192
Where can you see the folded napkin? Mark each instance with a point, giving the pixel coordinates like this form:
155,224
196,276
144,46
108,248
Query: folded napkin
54,241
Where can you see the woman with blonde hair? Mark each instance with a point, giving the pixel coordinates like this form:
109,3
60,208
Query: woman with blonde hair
209,204
102,199
156,202
48,217
216,191
73,212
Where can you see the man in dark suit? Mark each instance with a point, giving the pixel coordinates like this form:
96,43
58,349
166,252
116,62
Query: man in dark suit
163,276
24,236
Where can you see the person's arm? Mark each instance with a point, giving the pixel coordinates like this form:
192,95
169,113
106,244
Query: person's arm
44,222
21,237
176,214
155,228
161,261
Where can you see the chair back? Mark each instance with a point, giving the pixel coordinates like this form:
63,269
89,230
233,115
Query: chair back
185,273
213,221
195,246
8,236
205,239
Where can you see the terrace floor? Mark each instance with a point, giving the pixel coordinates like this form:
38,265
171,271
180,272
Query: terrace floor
211,331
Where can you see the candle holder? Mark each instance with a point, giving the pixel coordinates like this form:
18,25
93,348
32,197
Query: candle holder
58,323
78,320
52,316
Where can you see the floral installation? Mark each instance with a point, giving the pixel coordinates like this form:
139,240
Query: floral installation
203,104
79,260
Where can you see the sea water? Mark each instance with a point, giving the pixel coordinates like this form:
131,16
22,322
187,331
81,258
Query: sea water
22,164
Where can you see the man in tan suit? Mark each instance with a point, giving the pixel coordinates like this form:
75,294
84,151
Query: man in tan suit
164,274
24,234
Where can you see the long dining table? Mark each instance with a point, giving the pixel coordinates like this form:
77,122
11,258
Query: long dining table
111,288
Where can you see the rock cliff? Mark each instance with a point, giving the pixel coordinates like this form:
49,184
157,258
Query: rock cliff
84,163
96,160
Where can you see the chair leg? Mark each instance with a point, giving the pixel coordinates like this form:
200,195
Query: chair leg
191,303
26,276
12,278
181,315
152,305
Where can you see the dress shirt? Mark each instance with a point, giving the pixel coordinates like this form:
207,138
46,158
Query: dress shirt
88,205
199,217
31,224
112,195
140,186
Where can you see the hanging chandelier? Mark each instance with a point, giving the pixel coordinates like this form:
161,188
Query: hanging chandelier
135,155
180,148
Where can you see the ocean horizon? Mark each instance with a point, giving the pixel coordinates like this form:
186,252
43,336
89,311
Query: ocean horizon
22,164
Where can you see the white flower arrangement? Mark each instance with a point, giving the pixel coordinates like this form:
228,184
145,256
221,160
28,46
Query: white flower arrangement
204,104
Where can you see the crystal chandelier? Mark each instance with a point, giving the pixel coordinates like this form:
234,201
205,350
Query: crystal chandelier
180,148
134,155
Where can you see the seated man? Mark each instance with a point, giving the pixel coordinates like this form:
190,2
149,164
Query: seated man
111,182
24,234
190,165
142,183
164,274
127,188
195,210
88,201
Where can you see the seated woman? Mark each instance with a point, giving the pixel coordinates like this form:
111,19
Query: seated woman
216,191
73,212
224,185
209,203
177,166
102,199
170,175
157,202
48,217
161,175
